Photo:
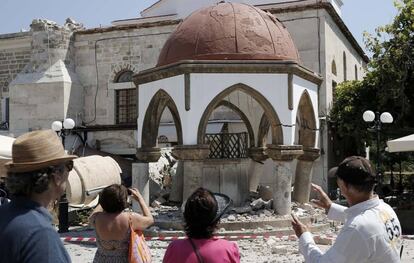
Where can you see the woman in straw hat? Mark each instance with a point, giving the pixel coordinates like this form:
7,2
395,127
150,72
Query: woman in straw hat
36,176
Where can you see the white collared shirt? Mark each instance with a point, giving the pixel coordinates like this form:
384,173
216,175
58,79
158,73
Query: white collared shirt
371,233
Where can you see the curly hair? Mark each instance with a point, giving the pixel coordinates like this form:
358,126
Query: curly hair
24,184
199,214
113,198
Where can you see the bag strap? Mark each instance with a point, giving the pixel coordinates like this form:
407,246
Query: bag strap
130,220
199,257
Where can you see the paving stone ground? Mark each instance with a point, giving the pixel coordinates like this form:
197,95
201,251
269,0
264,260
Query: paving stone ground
252,251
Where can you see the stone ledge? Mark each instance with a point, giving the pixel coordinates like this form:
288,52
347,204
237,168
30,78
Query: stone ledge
310,154
284,152
148,155
191,152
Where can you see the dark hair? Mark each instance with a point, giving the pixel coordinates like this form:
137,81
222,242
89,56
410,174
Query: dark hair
113,198
357,172
199,214
26,183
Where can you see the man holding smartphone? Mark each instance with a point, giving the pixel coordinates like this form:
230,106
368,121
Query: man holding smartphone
371,231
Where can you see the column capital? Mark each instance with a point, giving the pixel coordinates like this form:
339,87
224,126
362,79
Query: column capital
284,152
257,154
148,155
310,154
191,152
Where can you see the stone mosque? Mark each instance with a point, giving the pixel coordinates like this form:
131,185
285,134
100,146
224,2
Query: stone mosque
240,90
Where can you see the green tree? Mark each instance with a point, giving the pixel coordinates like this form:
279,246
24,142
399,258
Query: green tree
387,86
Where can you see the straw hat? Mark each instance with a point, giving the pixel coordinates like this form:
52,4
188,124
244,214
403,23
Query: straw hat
36,150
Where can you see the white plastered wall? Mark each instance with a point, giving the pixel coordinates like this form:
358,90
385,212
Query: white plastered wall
174,86
299,87
205,87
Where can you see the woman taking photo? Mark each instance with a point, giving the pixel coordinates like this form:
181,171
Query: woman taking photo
202,214
112,224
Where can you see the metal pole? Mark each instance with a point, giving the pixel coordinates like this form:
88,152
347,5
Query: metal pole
378,166
63,202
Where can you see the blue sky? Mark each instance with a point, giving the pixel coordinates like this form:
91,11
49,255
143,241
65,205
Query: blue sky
359,15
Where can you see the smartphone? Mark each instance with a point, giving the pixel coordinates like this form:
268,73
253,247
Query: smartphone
129,191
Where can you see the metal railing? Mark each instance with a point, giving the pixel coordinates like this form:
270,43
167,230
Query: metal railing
227,145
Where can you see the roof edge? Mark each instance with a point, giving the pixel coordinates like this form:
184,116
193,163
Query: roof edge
228,66
331,11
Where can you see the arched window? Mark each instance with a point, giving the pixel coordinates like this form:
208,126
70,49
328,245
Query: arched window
356,72
124,76
344,58
125,100
333,67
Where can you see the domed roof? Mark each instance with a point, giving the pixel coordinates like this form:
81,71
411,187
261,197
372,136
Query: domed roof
229,31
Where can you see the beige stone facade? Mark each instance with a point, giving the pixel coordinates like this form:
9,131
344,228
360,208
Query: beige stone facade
54,72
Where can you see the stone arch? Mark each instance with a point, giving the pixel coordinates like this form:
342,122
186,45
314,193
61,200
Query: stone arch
263,131
305,122
152,119
242,116
277,132
118,69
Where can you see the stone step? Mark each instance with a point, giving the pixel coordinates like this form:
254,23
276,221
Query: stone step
284,231
238,225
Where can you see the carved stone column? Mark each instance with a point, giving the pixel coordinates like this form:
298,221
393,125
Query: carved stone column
303,177
192,157
258,155
283,155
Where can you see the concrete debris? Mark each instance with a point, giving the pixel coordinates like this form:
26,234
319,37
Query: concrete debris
161,174
242,210
279,249
73,25
260,204
231,218
158,202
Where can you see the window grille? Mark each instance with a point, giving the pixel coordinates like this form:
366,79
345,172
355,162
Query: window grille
227,145
126,106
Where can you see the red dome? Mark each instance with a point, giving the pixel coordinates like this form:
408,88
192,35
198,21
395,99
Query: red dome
229,31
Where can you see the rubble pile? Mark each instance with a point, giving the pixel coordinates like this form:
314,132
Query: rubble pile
161,174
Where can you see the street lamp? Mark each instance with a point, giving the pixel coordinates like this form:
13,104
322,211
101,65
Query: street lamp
378,119
63,129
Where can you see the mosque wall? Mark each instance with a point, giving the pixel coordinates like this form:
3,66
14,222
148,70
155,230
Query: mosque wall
100,56
15,53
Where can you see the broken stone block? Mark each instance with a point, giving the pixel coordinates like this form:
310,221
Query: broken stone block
158,202
265,192
323,240
260,204
242,210
280,250
231,218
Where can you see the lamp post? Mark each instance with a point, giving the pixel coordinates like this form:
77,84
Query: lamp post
378,119
63,129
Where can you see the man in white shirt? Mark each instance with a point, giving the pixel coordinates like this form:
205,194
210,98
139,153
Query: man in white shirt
371,231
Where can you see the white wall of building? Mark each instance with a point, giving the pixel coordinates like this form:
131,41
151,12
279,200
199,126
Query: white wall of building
205,87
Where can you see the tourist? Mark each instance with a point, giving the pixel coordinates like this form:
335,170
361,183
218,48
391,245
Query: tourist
112,223
371,231
36,177
202,213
